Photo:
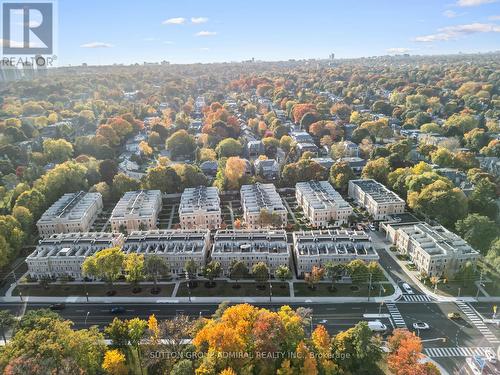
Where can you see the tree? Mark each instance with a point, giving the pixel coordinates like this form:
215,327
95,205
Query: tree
229,147
183,367
108,169
483,199
340,175
136,330
334,271
260,273
7,320
269,219
123,183
24,217
181,144
283,273
237,270
162,178
191,268
440,201
357,270
133,266
56,346
106,264
114,362
377,169
155,267
211,271
362,348
406,354
57,150
314,277
117,331
479,231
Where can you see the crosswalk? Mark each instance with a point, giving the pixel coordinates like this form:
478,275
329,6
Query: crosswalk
417,298
478,322
455,351
396,315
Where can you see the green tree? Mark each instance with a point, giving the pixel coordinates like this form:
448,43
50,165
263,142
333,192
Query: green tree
155,267
479,231
7,321
340,175
162,178
183,367
283,273
334,271
359,348
106,264
117,332
377,169
181,144
133,266
136,330
211,271
57,150
237,270
123,183
357,270
229,147
260,273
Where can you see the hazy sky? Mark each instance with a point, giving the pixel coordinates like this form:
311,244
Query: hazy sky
185,31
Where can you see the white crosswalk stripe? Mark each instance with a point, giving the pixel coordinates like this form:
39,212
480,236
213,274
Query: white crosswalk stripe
417,298
459,351
477,321
396,315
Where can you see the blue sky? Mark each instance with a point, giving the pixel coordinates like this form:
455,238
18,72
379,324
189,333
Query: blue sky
187,31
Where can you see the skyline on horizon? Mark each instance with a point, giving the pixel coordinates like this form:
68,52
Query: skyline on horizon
203,32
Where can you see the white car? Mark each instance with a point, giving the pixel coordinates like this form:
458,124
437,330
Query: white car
324,321
489,354
407,288
421,326
377,326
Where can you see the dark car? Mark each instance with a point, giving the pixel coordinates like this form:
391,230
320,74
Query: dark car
57,306
117,310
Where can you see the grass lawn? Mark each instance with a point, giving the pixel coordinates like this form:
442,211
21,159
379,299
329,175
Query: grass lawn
451,289
343,290
493,289
99,290
225,289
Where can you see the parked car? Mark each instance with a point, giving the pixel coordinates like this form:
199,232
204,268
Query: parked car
324,321
117,310
421,326
454,315
490,355
57,306
377,326
407,288
372,227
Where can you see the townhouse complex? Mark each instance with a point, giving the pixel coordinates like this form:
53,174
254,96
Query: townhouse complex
251,247
259,198
136,210
62,255
434,250
315,248
322,204
200,208
73,212
378,201
174,246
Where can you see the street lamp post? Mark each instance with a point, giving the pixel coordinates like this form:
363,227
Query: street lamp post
370,287
188,285
88,313
480,282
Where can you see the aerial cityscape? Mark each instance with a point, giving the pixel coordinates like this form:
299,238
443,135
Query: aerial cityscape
218,188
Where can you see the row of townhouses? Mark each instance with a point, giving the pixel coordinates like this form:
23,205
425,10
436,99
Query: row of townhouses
63,254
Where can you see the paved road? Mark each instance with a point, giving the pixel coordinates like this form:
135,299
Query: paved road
462,337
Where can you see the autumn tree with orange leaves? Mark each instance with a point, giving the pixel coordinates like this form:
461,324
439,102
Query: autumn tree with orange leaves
406,353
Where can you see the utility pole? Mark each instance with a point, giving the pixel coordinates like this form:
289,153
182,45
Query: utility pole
480,282
370,287
188,285
88,313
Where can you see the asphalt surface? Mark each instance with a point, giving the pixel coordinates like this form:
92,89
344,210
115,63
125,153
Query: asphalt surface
335,317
